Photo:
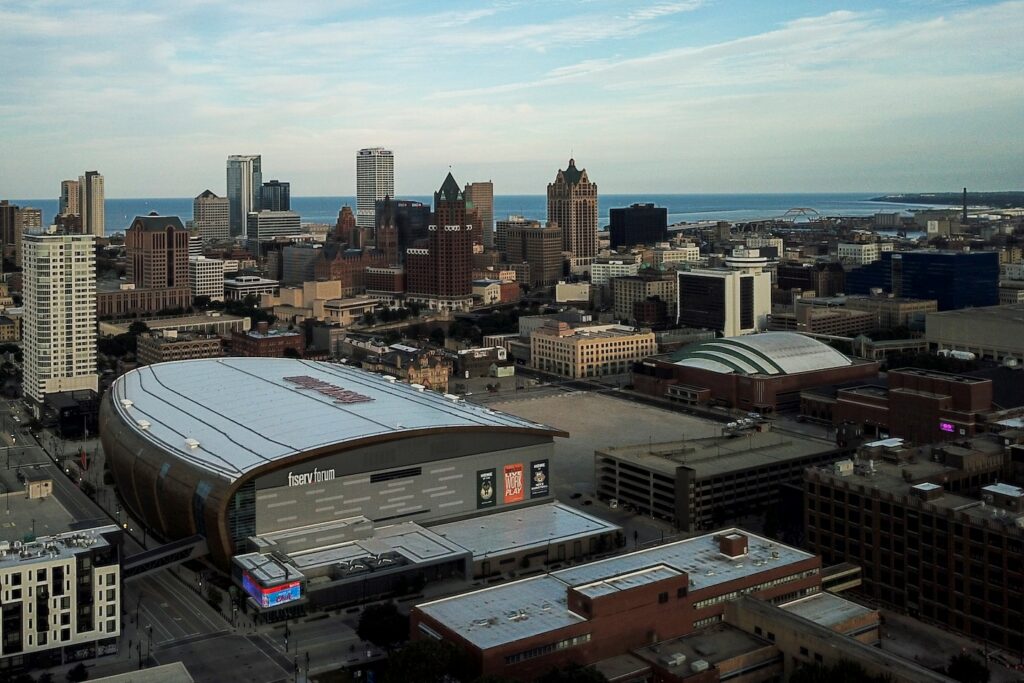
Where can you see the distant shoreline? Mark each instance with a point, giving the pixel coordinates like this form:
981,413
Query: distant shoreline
997,200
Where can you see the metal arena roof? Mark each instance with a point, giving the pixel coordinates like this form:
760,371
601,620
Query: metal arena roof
232,415
770,353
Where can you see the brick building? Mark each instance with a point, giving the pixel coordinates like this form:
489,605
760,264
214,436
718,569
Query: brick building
427,368
347,266
760,372
170,345
540,246
824,279
943,557
922,406
440,275
593,611
266,343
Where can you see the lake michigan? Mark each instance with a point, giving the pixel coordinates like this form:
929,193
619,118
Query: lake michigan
681,207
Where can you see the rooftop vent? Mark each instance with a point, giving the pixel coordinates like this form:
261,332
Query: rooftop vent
126,402
143,424
192,443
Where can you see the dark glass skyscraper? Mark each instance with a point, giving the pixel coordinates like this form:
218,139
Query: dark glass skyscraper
275,196
638,224
409,219
955,279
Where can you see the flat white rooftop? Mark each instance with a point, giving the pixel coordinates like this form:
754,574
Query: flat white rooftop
520,609
826,609
232,415
522,530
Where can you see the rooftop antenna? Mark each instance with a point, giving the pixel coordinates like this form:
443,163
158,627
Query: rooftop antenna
964,220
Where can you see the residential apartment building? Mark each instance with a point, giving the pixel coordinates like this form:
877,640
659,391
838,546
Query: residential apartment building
60,315
861,253
628,290
68,202
206,277
91,195
62,597
540,246
591,351
947,558
211,216
572,206
480,198
375,180
244,179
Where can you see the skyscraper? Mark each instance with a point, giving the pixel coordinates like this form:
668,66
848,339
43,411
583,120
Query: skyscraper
275,196
540,246
637,224
407,220
375,179
91,204
157,251
211,216
60,315
441,275
68,198
245,178
480,196
572,204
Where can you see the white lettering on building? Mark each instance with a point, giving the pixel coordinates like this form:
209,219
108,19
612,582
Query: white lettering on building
317,476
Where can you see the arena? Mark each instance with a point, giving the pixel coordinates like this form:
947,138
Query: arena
278,461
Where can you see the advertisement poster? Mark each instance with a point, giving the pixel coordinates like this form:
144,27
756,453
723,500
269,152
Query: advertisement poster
515,488
539,485
485,491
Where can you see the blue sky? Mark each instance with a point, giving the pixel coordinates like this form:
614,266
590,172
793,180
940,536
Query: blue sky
688,96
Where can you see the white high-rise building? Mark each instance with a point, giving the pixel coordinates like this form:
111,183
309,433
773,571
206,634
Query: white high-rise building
245,178
91,203
206,275
375,180
59,323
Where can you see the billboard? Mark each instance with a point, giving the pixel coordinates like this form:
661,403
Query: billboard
539,485
515,489
486,495
947,427
273,596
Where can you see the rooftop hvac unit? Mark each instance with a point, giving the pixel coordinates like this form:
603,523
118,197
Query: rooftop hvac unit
699,665
126,402
192,443
674,659
143,424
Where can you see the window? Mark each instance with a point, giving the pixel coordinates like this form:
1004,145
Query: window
804,651
681,592
662,598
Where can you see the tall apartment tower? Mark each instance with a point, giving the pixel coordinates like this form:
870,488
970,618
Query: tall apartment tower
157,251
275,196
211,216
245,179
572,204
91,204
68,198
60,315
480,196
441,275
375,179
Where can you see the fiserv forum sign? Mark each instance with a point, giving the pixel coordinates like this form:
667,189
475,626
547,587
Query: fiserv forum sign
339,394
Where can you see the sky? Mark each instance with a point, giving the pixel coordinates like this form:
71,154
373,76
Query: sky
685,96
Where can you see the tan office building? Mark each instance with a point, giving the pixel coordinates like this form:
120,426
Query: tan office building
591,351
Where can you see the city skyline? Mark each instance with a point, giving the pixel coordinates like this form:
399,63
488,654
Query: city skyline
674,97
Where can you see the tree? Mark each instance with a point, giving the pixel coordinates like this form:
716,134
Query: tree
437,336
138,327
573,673
426,661
78,673
45,677
383,625
291,353
967,669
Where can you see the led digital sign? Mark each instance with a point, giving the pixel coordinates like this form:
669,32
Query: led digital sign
947,427
273,596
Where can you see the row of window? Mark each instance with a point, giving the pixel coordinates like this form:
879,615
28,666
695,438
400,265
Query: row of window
535,652
700,604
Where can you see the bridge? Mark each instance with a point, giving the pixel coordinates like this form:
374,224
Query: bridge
168,554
